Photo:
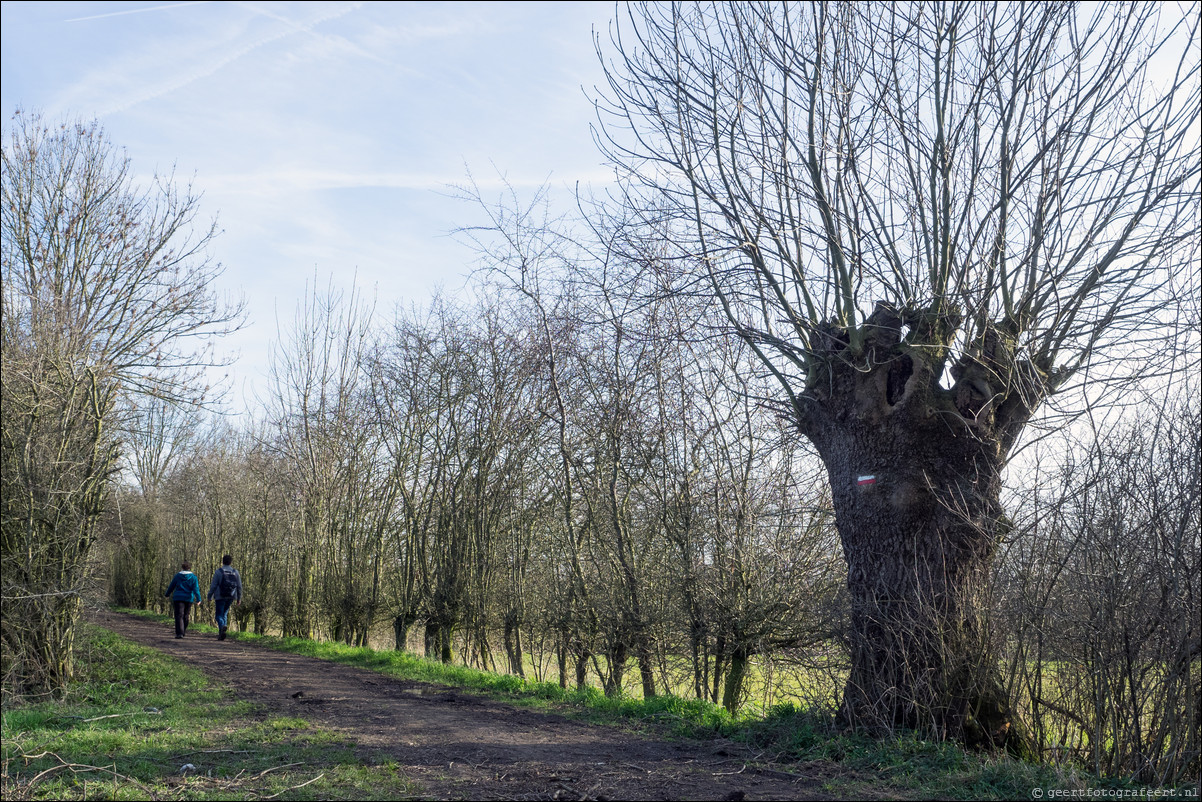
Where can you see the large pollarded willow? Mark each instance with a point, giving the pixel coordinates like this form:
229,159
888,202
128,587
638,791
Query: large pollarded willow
927,219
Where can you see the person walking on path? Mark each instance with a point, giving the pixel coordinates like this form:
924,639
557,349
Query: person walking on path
184,591
225,590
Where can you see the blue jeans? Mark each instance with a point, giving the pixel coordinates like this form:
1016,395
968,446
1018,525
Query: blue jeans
222,610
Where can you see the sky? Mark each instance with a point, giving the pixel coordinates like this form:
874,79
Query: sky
324,136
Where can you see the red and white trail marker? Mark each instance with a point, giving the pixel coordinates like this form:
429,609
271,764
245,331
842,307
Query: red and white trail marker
865,481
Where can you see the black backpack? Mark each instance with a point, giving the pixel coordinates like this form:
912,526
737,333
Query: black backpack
228,585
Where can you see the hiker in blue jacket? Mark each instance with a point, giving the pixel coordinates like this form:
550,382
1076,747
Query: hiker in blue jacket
184,591
225,589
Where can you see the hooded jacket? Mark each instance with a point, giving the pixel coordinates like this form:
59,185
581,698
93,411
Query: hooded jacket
184,587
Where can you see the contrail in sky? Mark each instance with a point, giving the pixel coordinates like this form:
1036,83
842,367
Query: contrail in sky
209,69
138,10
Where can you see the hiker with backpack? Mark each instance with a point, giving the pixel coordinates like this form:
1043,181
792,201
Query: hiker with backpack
184,591
225,589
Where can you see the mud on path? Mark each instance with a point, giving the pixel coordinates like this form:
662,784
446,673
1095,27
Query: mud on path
460,746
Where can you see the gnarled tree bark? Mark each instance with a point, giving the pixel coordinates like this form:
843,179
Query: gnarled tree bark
915,472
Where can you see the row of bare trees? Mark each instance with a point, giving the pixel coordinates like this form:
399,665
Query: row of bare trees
540,483
1099,595
551,484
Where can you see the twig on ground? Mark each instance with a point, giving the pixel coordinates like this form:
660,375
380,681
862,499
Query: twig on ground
210,752
275,768
81,768
293,788
730,773
122,715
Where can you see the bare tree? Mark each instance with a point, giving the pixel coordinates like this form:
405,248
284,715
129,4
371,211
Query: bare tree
107,289
927,220
528,254
158,433
318,409
1103,596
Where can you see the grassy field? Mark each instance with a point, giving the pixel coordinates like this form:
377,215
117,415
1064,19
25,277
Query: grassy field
769,681
136,718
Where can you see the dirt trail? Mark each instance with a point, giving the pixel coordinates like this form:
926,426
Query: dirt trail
460,746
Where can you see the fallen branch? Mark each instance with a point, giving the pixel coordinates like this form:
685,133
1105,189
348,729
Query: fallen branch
120,715
82,768
729,773
210,752
81,719
293,788
275,768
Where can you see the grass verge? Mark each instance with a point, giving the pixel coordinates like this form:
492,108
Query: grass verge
138,724
786,739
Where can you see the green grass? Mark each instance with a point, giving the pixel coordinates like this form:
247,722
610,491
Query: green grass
135,717
904,762
763,686
787,738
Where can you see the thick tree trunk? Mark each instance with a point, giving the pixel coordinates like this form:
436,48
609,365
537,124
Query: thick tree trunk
484,648
719,656
617,654
401,624
732,690
918,538
647,673
582,658
915,472
513,642
433,639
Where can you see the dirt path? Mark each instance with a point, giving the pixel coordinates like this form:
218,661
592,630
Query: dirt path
460,746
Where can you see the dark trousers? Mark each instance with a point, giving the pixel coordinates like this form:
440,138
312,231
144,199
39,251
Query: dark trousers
183,610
